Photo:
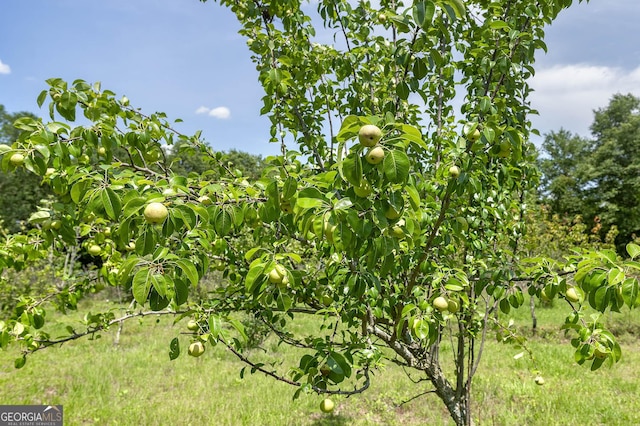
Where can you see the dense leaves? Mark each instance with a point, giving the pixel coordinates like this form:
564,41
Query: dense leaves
393,252
598,177
21,191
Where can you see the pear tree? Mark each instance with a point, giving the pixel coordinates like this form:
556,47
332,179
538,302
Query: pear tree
394,258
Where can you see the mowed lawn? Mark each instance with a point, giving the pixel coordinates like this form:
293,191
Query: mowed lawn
135,383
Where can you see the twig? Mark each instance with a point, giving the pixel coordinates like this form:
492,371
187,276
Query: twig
415,397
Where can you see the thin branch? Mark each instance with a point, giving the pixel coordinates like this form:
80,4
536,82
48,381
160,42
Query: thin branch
280,378
102,327
415,397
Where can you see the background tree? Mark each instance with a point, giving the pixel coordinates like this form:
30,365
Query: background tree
185,159
598,178
395,222
614,185
565,167
21,191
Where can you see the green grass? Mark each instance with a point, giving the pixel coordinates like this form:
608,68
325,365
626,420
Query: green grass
134,383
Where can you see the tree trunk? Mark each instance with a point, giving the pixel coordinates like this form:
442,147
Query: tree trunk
457,404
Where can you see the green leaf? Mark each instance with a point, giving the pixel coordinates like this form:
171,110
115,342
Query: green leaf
78,190
157,302
141,286
252,279
111,203
4,339
42,97
633,250
396,166
289,188
402,90
20,362
39,216
597,363
145,242
239,328
215,326
340,368
505,306
174,349
458,7
251,253
189,270
294,257
309,203
414,197
223,222
615,276
499,25
181,291
423,13
351,169
133,205
126,268
343,204
413,135
159,283
630,292
284,301
420,69
349,128
421,329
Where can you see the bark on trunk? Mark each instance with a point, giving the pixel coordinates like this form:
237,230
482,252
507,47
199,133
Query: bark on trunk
456,404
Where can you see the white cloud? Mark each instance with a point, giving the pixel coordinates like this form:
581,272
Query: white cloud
220,112
4,68
566,95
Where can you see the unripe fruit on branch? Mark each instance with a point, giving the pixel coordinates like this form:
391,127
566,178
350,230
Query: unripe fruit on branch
327,405
286,207
155,213
392,213
375,155
369,135
196,349
472,135
572,295
17,159
364,190
192,325
277,274
454,171
205,200
441,304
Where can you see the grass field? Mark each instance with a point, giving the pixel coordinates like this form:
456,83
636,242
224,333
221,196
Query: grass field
134,383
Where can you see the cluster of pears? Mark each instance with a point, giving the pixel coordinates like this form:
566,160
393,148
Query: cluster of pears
369,135
443,304
195,348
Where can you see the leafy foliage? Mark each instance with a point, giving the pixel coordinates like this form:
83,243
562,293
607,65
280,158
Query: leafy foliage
598,178
564,171
395,253
21,191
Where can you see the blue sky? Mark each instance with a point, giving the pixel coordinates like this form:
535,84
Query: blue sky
185,58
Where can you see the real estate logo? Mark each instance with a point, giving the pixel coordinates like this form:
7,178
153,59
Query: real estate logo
30,415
